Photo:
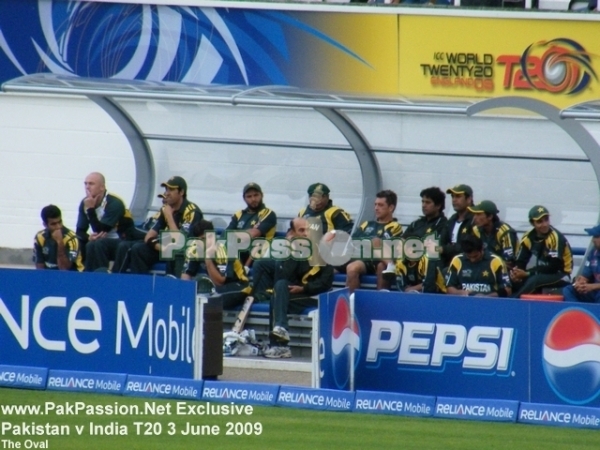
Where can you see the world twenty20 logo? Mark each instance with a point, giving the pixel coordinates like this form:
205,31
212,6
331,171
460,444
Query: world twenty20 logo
558,66
571,356
345,342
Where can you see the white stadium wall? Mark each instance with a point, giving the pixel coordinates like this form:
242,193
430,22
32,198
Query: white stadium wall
51,143
47,148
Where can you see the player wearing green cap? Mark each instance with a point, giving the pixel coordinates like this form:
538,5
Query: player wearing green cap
256,218
551,252
321,206
459,224
177,214
498,237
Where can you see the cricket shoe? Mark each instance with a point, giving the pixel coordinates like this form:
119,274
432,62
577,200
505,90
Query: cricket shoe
281,333
278,352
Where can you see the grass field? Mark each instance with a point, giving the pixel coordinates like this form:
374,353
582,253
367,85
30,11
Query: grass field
281,428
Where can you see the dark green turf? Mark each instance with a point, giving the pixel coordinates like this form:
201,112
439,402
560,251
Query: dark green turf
282,428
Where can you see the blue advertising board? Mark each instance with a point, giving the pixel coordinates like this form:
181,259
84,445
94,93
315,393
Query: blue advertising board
450,346
97,322
565,346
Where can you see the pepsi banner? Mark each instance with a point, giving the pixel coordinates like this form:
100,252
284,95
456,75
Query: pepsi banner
447,346
97,322
565,342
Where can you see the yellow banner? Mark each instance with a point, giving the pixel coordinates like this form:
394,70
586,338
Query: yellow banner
554,61
366,64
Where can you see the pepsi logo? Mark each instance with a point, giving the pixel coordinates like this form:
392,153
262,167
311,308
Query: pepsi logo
571,356
345,342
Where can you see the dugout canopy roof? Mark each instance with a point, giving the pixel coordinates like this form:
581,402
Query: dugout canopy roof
286,138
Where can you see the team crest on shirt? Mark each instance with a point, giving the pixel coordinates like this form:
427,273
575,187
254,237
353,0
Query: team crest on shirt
466,272
241,224
45,250
369,230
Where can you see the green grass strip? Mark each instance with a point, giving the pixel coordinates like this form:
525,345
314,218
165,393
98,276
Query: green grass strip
280,428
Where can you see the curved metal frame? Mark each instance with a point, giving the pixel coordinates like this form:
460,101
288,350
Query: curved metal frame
369,167
145,170
329,106
145,176
575,130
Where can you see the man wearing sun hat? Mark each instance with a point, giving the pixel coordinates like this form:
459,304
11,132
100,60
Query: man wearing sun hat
550,251
498,237
586,287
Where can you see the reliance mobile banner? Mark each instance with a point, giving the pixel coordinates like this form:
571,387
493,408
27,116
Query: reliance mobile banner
461,347
97,322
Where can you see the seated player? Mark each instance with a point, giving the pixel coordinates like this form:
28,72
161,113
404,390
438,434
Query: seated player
586,287
320,206
179,215
296,282
385,226
410,277
551,252
433,224
226,274
56,247
110,221
123,250
498,237
477,272
459,224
